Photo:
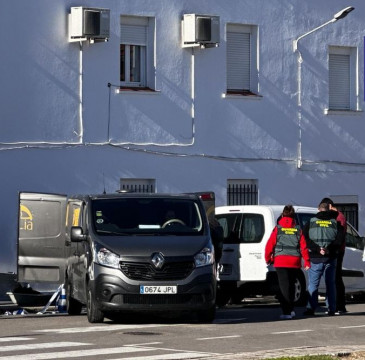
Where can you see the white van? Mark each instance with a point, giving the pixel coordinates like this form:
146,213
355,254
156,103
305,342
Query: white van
243,270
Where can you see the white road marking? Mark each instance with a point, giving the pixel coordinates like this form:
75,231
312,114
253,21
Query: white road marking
14,338
289,332
220,337
176,356
349,327
77,353
145,344
102,328
40,346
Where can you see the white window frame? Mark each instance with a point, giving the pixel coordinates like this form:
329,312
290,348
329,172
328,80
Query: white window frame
138,31
246,64
342,72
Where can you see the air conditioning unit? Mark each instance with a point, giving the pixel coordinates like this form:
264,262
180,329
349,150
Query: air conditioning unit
200,30
89,24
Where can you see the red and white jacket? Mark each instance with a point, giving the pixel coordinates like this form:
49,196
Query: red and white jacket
289,261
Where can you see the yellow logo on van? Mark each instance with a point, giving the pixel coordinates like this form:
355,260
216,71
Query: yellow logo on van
26,219
76,217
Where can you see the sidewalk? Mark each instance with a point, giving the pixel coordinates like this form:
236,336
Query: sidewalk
341,351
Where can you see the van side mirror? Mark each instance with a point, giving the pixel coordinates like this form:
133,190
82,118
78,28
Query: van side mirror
77,234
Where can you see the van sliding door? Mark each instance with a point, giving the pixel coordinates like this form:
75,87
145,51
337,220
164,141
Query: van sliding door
41,238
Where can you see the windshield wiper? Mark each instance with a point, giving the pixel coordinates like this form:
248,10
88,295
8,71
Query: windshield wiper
112,232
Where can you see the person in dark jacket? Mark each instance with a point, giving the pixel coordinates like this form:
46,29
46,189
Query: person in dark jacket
216,233
323,234
340,286
285,249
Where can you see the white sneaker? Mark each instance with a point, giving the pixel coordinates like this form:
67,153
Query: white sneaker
285,317
293,314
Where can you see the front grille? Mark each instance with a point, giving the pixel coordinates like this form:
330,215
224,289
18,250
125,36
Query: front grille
146,271
135,299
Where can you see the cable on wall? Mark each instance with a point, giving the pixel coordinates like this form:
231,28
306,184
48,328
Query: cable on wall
192,114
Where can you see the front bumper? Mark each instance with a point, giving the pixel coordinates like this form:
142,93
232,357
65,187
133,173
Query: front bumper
112,293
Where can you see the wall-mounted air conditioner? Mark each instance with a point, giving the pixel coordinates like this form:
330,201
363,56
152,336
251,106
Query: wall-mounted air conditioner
89,24
200,30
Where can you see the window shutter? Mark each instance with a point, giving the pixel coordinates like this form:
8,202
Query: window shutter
339,82
133,35
238,61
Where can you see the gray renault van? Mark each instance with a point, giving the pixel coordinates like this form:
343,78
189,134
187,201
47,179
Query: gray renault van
134,252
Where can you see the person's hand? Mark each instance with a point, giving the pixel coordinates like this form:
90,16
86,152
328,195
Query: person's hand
323,251
306,268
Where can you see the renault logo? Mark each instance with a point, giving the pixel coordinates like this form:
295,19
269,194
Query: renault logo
158,260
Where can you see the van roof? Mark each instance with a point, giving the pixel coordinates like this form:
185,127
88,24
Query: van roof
120,195
276,210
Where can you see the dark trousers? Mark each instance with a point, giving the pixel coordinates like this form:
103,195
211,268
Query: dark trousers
286,279
340,287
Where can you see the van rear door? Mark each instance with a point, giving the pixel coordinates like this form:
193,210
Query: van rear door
41,238
246,232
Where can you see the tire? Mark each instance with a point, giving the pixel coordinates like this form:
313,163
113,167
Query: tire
73,306
94,315
300,290
207,315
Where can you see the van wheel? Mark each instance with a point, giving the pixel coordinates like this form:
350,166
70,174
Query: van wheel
300,292
73,306
207,315
94,315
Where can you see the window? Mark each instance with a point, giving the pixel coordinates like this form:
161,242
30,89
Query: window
242,192
242,64
241,228
351,213
138,185
136,51
349,206
147,215
353,240
342,80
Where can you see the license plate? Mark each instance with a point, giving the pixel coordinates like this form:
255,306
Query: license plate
143,289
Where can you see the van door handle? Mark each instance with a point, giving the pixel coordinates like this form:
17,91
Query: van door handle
228,250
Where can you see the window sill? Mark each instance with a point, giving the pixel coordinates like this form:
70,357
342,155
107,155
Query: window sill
342,112
136,90
243,94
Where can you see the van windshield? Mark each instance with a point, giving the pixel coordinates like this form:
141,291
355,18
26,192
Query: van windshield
149,216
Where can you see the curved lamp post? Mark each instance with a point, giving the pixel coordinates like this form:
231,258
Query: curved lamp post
340,15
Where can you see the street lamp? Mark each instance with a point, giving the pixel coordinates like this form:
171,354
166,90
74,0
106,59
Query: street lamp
340,15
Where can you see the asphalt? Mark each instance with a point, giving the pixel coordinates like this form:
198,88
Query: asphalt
7,307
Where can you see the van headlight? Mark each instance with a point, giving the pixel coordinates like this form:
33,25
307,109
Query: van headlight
105,257
205,257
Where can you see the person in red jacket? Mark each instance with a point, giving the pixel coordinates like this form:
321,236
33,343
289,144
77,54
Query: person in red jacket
285,249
